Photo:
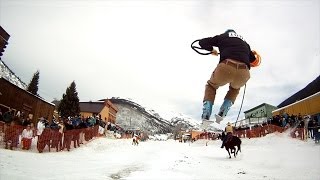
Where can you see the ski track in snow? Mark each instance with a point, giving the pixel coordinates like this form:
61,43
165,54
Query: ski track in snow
273,157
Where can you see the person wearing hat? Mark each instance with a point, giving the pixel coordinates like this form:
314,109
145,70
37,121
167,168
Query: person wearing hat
229,131
233,69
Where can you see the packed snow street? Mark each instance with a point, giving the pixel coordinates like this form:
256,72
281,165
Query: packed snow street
275,156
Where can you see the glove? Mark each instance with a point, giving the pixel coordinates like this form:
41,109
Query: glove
214,52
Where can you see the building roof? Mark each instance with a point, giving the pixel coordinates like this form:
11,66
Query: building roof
309,97
261,105
38,97
312,88
4,37
93,107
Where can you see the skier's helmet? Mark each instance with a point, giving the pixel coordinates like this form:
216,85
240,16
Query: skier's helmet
229,30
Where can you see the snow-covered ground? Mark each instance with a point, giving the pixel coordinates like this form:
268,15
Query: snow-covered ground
275,156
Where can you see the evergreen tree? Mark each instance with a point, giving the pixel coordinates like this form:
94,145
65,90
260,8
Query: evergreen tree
33,85
69,105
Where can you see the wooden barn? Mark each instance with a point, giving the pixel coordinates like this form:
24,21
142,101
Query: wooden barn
105,109
17,99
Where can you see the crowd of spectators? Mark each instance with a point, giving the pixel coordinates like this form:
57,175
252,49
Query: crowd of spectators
18,128
309,125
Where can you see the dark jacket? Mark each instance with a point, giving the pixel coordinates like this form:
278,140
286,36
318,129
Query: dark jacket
231,46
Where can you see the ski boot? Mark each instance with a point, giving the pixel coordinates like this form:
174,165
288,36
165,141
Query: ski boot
223,110
207,110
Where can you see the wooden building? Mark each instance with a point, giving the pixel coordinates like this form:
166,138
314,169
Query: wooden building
262,110
17,99
256,115
307,106
105,109
4,37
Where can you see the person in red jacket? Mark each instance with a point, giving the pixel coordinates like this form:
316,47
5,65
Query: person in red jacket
233,69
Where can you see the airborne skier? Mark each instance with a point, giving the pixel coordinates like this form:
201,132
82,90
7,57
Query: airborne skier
236,58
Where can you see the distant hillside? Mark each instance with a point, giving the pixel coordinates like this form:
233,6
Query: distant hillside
309,90
133,116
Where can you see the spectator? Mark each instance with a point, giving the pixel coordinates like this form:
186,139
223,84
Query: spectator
18,114
7,116
54,124
26,122
40,126
301,123
68,135
11,136
311,126
283,121
27,135
306,120
82,126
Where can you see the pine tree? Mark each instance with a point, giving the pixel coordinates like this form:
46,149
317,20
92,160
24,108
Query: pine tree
33,85
69,105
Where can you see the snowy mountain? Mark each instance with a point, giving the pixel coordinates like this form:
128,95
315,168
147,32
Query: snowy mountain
6,73
132,115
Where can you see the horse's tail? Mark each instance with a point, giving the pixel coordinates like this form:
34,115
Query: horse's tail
239,145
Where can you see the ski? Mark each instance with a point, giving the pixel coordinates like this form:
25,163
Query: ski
218,118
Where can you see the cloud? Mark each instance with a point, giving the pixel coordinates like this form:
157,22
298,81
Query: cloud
141,49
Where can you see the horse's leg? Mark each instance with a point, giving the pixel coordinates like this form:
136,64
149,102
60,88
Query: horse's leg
228,152
239,148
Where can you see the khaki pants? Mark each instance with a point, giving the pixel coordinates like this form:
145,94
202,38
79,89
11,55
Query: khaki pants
231,72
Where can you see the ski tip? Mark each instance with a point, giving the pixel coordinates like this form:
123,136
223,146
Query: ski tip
218,118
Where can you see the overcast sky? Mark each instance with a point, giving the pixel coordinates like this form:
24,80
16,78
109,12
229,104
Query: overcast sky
140,49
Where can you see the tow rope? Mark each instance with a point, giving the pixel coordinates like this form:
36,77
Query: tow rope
244,92
196,49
